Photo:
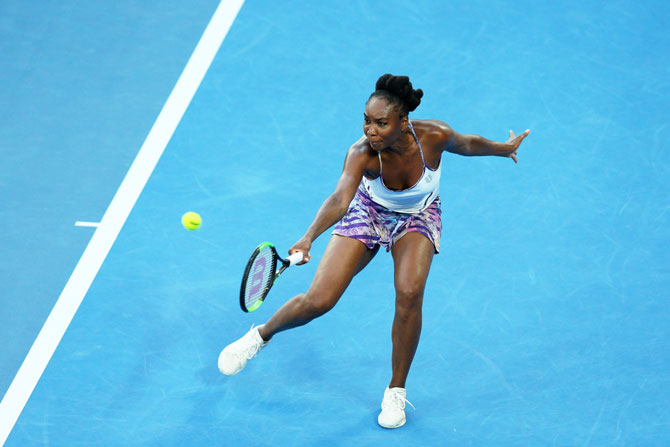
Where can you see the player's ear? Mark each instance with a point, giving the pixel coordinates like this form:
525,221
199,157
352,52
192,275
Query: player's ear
404,123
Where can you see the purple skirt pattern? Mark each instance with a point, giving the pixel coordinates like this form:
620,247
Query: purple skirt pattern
372,224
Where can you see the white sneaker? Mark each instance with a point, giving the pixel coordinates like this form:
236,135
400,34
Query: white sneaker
234,356
393,408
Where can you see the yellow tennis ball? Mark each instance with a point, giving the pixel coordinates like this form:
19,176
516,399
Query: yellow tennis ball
191,220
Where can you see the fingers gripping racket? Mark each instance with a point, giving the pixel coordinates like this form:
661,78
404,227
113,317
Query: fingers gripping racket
261,273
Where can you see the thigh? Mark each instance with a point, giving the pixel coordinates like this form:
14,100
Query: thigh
343,258
412,256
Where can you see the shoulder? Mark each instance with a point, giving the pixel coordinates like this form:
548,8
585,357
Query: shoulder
361,159
432,128
358,161
433,133
361,147
360,151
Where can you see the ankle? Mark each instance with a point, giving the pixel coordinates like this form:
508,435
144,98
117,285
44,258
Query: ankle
264,335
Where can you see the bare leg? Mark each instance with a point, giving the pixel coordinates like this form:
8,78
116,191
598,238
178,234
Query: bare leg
412,256
343,259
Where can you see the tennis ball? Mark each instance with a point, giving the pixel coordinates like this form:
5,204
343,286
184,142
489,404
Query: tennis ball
191,220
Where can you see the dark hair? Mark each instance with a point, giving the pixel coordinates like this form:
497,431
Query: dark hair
398,91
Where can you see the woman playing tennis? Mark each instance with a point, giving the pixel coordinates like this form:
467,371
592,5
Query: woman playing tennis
387,196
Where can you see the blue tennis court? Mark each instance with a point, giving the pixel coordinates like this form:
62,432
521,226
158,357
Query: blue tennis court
546,317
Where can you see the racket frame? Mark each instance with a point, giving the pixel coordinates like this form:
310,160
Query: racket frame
274,273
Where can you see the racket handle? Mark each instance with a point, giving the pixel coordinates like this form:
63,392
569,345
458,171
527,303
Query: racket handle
295,258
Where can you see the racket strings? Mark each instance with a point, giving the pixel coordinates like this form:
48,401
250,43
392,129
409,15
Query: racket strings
260,276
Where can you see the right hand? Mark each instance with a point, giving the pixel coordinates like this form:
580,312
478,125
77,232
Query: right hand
303,245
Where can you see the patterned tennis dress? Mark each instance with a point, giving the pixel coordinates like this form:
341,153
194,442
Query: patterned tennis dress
381,216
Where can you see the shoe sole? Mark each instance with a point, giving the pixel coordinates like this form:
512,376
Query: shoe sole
390,427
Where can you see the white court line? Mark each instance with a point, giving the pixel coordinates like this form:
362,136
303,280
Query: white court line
87,224
123,202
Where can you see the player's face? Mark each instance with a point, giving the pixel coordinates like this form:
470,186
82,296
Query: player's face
381,123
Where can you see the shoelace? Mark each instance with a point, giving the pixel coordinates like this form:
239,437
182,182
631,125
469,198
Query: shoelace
398,401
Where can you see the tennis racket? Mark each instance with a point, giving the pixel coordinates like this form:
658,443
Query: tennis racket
261,273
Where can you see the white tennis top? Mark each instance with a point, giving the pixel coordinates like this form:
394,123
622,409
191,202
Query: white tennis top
411,200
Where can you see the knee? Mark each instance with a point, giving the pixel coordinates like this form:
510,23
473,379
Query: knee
314,306
409,299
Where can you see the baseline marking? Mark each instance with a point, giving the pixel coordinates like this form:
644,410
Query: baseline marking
109,227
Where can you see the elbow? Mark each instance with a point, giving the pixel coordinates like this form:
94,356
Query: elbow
340,204
463,147
474,146
466,150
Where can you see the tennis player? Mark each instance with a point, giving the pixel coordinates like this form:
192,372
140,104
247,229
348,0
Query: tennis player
387,196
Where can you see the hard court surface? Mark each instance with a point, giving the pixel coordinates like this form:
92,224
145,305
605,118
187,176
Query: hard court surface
546,318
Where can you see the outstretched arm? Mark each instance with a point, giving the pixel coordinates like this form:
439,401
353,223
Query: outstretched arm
337,204
474,145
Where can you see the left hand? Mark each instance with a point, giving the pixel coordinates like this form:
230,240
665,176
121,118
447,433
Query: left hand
514,142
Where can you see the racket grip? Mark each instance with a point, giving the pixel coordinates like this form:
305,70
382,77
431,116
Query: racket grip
295,258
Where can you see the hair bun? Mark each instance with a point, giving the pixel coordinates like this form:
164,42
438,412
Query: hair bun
401,87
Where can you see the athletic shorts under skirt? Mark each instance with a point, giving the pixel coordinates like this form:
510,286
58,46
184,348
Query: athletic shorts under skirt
373,224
